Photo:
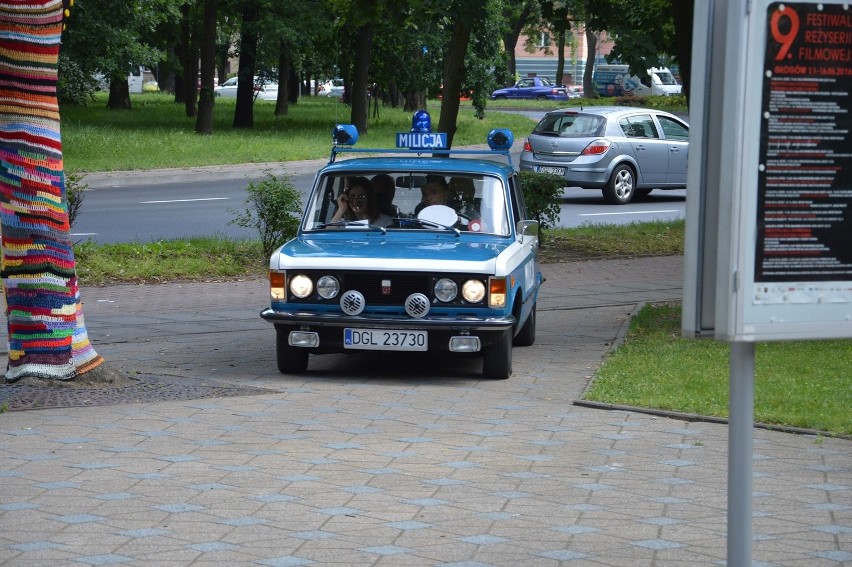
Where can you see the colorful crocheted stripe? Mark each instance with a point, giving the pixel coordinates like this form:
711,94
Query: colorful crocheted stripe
47,336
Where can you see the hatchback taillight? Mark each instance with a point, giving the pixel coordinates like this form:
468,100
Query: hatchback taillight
596,148
527,146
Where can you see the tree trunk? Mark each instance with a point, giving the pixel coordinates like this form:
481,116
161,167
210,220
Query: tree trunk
119,93
361,70
453,76
414,100
282,106
510,40
560,60
204,123
166,72
244,112
683,12
189,60
294,88
591,48
47,335
182,52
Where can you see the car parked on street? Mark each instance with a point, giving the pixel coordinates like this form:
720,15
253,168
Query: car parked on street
263,90
622,151
332,88
574,91
458,274
538,88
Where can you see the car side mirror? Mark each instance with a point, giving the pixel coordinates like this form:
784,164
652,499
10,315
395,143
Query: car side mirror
527,228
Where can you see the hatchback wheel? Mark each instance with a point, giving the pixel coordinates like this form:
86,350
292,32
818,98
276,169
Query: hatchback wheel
621,186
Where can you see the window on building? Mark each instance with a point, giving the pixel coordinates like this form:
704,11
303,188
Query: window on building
544,40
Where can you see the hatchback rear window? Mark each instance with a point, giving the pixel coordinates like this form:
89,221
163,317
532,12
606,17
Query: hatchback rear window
570,125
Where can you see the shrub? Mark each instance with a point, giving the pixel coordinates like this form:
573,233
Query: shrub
273,207
542,192
74,192
74,85
632,100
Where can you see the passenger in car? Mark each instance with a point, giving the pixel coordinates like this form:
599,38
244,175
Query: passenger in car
385,192
358,203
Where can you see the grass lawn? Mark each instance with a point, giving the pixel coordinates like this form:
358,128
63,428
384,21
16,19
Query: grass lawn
797,383
156,133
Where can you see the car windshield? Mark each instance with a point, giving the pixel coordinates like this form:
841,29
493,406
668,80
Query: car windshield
665,78
398,200
570,124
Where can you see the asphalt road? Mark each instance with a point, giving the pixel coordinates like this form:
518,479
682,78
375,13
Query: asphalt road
143,212
133,209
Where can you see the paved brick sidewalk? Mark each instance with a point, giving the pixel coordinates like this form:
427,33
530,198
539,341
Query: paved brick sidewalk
393,460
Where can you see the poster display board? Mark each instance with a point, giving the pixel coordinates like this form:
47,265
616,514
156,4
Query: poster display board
795,268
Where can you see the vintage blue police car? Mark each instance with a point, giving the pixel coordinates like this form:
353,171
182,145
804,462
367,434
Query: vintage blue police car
401,250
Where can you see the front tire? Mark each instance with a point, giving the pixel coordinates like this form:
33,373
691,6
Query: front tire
621,186
291,360
526,336
497,357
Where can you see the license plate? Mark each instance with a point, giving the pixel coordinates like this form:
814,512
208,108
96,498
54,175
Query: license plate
385,339
553,170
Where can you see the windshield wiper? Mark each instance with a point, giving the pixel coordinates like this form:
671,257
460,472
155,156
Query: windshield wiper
424,222
348,223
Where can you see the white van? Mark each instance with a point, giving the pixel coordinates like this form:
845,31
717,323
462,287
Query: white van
136,79
616,80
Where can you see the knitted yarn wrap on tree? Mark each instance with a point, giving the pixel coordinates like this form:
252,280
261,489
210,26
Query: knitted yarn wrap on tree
47,335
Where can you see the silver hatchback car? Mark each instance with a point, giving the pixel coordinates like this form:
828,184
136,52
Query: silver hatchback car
623,151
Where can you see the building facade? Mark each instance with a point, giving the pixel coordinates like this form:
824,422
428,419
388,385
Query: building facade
538,57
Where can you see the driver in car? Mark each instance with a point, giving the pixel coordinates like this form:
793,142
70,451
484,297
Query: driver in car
436,191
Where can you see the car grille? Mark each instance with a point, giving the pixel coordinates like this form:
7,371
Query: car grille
401,286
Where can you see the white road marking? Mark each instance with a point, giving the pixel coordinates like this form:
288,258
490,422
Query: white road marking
84,234
185,200
629,213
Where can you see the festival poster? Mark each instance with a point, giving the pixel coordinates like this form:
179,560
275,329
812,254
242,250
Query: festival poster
804,187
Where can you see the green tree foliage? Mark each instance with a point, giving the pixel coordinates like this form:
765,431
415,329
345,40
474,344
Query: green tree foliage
106,37
643,31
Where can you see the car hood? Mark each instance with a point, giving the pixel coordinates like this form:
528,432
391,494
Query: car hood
374,251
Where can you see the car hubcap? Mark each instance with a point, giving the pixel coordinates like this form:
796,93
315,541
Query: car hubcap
623,184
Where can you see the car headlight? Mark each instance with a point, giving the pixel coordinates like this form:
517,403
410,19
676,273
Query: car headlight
328,287
473,291
301,286
446,290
